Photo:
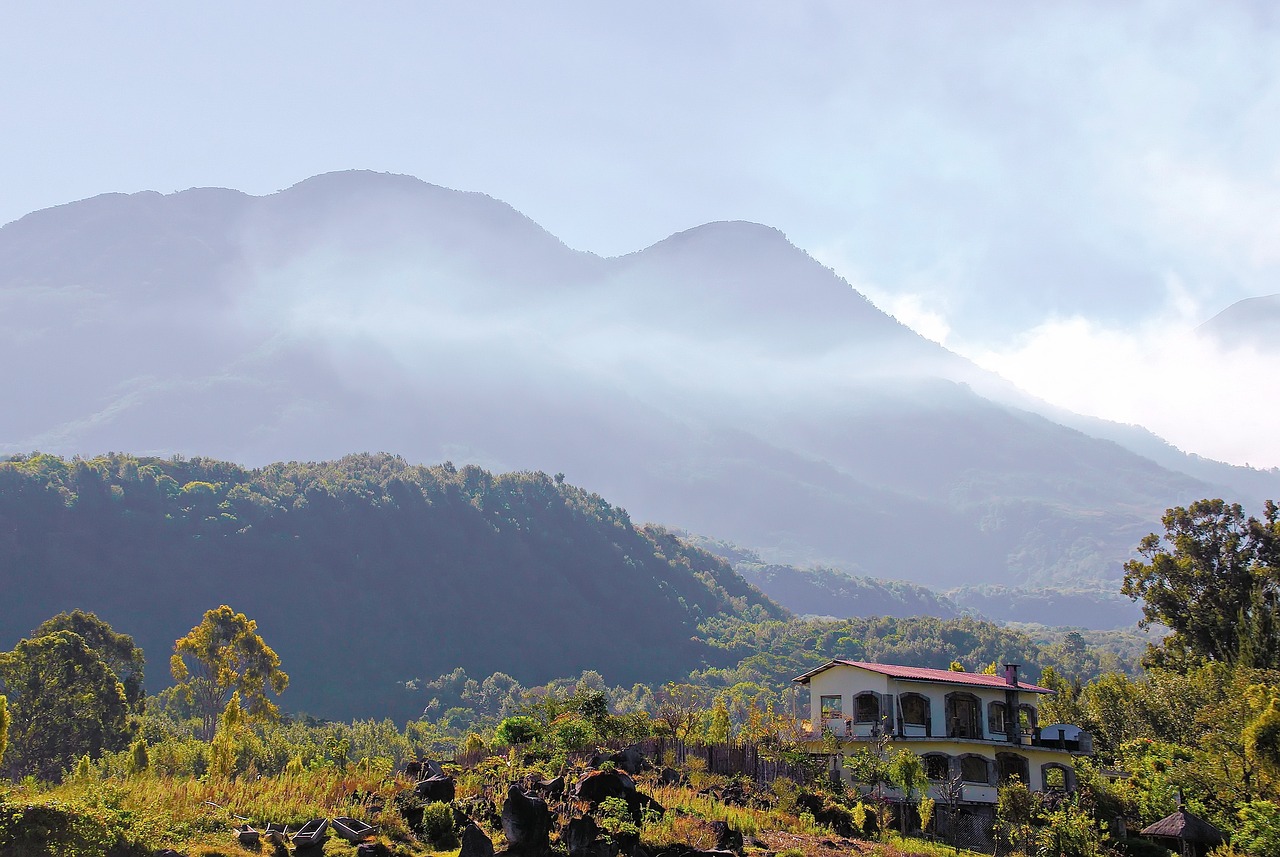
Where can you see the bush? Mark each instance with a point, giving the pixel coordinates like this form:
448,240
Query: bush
437,826
1136,846
520,729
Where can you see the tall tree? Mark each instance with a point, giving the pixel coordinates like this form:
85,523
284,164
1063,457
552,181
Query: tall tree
222,655
1211,580
66,702
117,651
680,706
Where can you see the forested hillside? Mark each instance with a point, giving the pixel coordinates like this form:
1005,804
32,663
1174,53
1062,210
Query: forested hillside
820,591
362,573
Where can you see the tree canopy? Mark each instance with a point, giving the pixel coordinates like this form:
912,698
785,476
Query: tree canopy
1212,579
223,655
117,651
65,703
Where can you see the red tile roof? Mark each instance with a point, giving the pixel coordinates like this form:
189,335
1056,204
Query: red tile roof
925,674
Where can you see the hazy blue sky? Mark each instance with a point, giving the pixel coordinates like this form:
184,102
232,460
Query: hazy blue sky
1061,191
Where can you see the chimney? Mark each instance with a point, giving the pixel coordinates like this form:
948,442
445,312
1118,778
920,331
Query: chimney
1011,674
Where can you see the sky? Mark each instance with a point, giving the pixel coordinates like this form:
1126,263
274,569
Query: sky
1061,192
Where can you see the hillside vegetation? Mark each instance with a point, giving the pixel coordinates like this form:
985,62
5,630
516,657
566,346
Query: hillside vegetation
366,572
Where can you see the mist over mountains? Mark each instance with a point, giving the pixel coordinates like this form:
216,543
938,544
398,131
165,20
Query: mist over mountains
721,380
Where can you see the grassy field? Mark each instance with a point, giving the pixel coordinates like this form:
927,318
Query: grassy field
140,814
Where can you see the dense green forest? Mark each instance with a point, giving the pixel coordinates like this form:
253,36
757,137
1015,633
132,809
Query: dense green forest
367,572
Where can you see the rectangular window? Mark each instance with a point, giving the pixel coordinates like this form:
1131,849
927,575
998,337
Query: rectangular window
832,707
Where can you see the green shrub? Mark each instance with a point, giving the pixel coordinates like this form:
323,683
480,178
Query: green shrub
520,729
437,826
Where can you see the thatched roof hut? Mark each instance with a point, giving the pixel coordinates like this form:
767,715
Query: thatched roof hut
1187,834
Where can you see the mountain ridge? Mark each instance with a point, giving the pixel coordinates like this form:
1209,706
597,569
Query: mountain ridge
720,380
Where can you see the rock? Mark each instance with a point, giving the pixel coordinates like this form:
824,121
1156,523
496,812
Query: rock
727,839
372,849
550,788
436,788
580,836
670,777
526,823
595,786
475,842
630,760
757,843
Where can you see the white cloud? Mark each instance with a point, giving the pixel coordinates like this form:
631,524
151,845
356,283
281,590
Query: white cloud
1216,402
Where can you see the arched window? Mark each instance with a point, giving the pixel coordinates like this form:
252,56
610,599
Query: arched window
1027,718
962,715
1010,765
866,707
975,769
997,719
916,709
937,766
1057,777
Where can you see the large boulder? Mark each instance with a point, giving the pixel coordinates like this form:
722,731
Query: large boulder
631,760
550,788
440,787
595,786
582,837
475,842
526,823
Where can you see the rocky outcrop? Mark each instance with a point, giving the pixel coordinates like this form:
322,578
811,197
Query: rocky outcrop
526,824
475,842
439,787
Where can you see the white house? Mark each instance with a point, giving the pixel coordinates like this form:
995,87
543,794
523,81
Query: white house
972,730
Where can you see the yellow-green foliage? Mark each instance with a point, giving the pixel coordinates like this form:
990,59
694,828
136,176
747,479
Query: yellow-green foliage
4,728
194,816
748,822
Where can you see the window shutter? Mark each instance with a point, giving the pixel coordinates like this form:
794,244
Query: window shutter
887,713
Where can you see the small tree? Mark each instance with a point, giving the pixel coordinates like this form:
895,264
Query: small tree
906,772
870,767
4,729
139,758
225,653
1015,805
680,706
228,741
719,727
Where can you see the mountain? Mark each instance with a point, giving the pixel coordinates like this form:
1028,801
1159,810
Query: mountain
1252,322
720,380
364,574
826,592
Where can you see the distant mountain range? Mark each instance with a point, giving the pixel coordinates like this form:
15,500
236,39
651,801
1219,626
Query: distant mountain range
721,380
1253,322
